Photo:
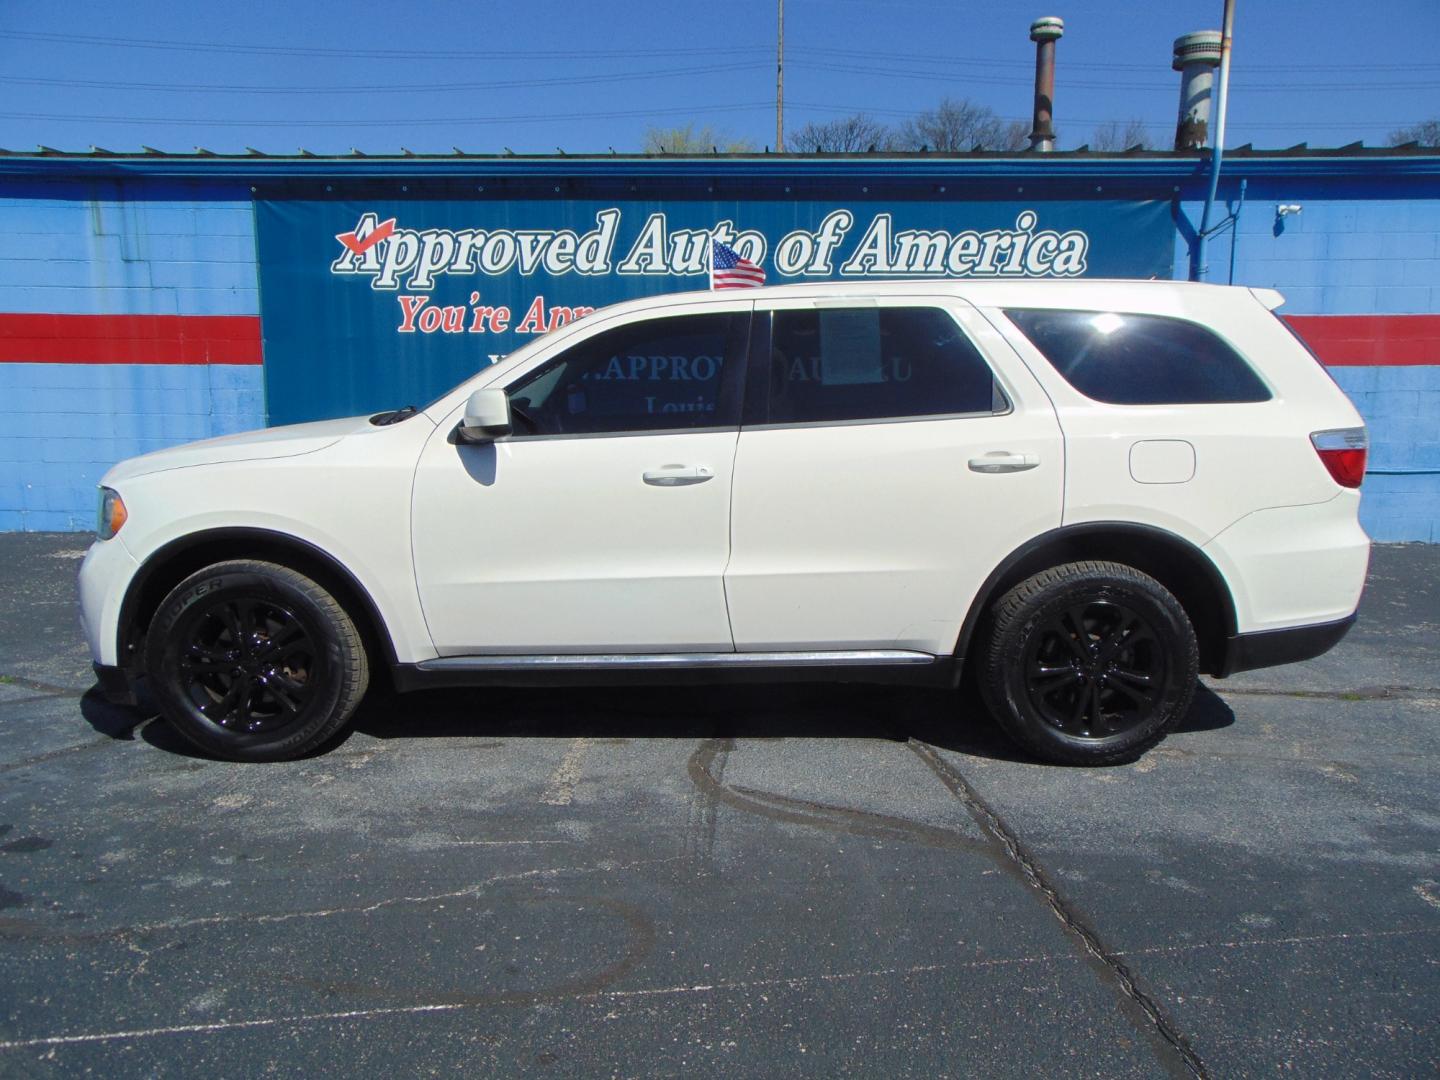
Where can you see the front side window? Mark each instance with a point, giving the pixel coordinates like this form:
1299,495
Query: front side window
1126,359
864,363
657,375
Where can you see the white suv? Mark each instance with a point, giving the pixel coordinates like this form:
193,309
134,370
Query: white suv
1089,491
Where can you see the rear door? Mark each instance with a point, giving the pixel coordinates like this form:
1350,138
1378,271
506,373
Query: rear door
892,454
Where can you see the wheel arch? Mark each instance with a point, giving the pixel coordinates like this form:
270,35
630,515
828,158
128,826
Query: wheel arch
170,564
1175,562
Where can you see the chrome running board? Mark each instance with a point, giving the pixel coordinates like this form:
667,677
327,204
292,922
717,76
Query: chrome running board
663,661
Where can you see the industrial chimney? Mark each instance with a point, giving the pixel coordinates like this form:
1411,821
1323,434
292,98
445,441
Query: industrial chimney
1196,57
1045,32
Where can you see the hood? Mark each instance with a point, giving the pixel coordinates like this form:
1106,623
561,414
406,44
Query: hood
276,442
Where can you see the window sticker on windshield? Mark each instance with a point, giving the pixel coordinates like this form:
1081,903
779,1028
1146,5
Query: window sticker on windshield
850,348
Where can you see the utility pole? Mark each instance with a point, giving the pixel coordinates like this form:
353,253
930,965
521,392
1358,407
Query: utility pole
1201,267
780,81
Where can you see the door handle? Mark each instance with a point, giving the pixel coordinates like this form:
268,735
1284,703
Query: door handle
677,475
1002,461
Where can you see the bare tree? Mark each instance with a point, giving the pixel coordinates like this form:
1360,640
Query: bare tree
1426,133
692,140
1015,136
849,134
1118,136
957,125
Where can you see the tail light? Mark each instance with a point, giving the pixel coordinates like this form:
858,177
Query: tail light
1342,450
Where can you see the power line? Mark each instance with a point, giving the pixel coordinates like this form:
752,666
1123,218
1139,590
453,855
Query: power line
960,77
619,76
947,60
341,125
951,61
904,114
351,54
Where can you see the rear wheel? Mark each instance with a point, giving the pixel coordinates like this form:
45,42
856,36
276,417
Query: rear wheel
254,662
1089,663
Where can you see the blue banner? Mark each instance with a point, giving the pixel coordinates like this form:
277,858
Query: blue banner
377,304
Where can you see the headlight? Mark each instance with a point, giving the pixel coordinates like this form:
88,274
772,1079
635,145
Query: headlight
112,513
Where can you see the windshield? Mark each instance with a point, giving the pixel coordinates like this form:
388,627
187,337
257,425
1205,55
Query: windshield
500,359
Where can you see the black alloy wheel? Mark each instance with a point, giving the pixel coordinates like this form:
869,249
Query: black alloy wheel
253,661
1095,670
250,664
1088,663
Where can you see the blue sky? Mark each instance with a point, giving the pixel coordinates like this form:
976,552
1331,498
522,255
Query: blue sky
544,73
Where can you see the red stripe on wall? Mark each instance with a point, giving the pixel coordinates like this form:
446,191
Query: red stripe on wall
1356,340
1339,340
129,339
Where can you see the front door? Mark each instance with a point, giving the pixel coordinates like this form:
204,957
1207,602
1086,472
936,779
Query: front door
603,523
892,465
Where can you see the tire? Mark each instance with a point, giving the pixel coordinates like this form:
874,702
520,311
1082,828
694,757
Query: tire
1089,663
252,661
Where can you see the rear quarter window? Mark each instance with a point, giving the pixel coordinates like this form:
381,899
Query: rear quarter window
1126,359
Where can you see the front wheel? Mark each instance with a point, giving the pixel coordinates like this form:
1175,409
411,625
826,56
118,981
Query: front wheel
252,661
1089,663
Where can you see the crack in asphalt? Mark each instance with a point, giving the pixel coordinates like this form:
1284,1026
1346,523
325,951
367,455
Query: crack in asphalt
51,755
1175,1050
1359,693
7,703
24,928
42,687
817,815
719,986
1177,1046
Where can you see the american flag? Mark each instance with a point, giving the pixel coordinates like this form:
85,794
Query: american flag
729,271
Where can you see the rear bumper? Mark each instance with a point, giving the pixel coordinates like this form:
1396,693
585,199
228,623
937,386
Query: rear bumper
1294,566
1270,648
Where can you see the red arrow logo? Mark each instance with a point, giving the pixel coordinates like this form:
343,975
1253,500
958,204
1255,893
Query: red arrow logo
359,246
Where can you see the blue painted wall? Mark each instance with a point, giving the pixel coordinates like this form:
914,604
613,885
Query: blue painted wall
108,248
1354,255
144,245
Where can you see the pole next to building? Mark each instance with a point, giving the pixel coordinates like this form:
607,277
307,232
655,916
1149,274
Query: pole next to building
1201,266
1196,57
1045,32
780,80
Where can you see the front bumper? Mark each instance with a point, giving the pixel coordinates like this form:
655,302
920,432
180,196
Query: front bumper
1270,648
115,686
104,576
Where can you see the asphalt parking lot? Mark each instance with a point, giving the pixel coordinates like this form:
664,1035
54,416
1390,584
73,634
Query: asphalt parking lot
802,881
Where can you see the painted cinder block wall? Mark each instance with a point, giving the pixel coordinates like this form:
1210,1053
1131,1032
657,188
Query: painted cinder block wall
129,321
1360,270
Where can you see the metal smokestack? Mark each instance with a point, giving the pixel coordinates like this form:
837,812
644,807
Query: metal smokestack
1196,57
1045,32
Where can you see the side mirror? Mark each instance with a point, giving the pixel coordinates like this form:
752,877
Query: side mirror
487,417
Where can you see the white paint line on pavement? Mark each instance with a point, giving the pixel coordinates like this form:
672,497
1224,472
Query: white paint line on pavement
792,982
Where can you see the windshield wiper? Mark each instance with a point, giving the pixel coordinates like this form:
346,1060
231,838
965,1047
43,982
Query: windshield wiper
394,416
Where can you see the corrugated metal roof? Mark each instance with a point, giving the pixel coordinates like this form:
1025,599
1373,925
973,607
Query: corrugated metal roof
1355,149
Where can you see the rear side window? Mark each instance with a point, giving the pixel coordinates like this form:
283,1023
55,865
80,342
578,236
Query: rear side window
1126,359
868,363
